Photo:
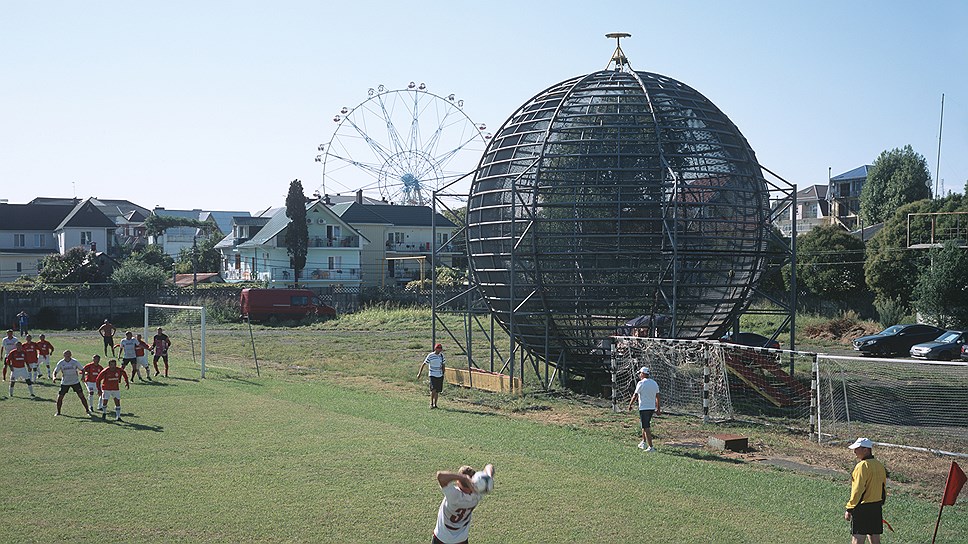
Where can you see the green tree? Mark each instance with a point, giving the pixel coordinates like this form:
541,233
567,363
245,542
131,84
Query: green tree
152,254
75,266
135,272
297,233
158,224
942,291
830,263
897,177
208,258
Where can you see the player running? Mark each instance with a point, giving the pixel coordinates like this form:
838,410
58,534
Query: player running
460,499
109,387
44,349
90,373
142,358
30,348
70,370
159,346
17,361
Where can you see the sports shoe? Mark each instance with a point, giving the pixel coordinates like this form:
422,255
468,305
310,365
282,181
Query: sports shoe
104,415
642,445
650,448
56,414
119,419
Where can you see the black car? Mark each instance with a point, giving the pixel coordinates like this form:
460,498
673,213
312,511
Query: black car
896,339
943,348
964,351
749,339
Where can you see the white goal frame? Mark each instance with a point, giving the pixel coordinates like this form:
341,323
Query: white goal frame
176,307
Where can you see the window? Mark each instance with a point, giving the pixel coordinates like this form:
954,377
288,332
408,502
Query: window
40,240
442,238
20,267
86,237
19,240
335,262
332,232
399,237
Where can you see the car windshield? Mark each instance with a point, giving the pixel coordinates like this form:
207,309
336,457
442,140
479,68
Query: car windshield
948,337
892,330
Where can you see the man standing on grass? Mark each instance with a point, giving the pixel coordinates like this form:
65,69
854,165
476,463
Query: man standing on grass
159,346
868,490
33,357
460,499
90,372
129,354
647,393
142,363
22,318
44,349
17,361
107,330
70,370
9,343
435,362
109,387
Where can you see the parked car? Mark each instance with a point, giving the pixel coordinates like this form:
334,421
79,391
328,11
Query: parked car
896,339
964,351
943,348
749,339
265,304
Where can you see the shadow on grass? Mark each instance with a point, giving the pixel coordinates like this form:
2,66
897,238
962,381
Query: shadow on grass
702,456
193,380
154,383
474,412
237,379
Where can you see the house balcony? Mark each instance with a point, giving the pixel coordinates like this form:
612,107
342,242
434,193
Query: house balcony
425,247
311,275
346,241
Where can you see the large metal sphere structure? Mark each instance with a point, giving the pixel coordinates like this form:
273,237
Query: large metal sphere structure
611,196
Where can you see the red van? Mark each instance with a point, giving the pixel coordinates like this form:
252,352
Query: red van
264,304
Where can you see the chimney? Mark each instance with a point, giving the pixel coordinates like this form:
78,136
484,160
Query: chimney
326,200
359,196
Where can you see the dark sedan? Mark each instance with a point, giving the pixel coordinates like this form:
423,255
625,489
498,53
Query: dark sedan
943,348
896,340
964,351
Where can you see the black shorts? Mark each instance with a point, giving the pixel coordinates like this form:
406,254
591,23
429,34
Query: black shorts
438,541
76,387
437,383
866,519
646,417
109,341
161,356
129,360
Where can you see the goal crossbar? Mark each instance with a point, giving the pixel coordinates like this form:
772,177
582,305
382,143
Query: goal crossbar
200,309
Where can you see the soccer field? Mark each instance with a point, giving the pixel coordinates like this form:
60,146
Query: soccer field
324,456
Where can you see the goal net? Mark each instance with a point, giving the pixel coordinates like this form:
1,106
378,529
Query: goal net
184,325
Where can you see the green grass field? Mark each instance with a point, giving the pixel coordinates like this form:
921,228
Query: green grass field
343,448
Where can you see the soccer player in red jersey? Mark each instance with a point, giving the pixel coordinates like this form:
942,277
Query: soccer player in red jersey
30,348
44,350
17,361
159,345
140,351
109,386
89,374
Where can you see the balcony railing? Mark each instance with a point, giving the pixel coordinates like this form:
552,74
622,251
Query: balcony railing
346,241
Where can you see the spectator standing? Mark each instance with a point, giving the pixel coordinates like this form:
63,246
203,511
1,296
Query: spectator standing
107,330
868,489
22,319
70,370
435,364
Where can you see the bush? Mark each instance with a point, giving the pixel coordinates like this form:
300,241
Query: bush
890,311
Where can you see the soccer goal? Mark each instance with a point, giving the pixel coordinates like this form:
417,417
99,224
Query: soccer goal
185,325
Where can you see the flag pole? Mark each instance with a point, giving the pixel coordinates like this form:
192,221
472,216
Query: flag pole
936,524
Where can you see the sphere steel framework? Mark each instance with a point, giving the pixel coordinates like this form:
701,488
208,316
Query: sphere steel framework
612,196
406,142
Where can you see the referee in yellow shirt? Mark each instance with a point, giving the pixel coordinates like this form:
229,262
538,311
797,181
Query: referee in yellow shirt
867,493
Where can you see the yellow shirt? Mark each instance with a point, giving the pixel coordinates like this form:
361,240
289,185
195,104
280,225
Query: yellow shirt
867,483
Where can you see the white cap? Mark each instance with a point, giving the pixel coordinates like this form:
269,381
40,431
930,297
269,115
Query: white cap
644,370
861,443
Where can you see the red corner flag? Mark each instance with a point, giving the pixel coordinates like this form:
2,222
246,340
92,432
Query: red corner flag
956,480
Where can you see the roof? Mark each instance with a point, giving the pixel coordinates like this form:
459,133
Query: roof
186,280
31,217
86,214
110,207
814,192
135,216
867,232
250,221
280,221
399,216
857,173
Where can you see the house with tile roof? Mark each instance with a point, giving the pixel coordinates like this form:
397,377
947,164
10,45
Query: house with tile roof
812,210
128,217
30,232
844,195
255,250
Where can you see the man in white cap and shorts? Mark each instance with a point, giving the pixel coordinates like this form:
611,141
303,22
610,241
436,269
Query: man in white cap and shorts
647,393
868,489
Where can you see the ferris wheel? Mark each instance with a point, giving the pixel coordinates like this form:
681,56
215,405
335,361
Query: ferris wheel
407,143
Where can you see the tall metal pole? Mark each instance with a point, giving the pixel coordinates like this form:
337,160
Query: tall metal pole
937,170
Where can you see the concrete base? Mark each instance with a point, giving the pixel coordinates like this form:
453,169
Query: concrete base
731,442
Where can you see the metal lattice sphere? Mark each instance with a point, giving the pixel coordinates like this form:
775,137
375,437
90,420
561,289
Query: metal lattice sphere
612,196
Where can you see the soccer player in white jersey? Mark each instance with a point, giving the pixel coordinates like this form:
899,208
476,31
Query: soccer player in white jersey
70,370
9,343
460,499
129,354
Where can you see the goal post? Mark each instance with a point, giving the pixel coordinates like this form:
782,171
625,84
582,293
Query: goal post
160,315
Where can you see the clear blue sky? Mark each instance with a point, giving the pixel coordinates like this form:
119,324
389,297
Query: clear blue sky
219,105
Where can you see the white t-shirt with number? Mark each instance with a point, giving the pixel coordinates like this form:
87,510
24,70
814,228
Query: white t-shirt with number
454,515
128,346
9,344
647,389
